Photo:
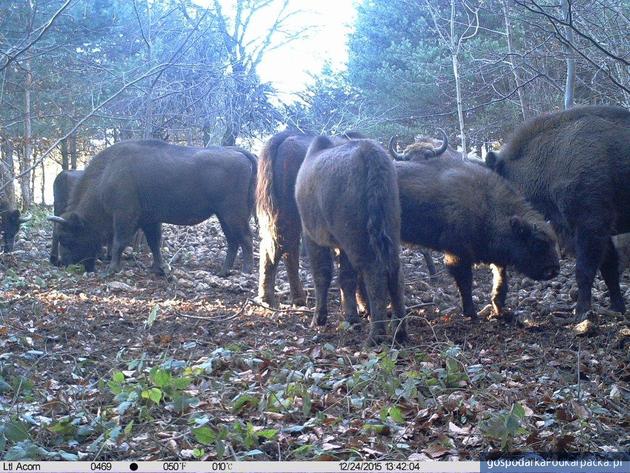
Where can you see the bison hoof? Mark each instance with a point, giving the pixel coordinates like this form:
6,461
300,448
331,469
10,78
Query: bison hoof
265,301
376,339
581,316
618,306
400,335
299,301
158,271
319,320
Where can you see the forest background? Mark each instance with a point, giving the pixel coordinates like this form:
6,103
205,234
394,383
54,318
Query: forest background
79,75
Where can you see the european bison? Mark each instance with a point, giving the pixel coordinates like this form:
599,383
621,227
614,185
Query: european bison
574,167
424,148
278,216
474,216
347,199
62,187
141,184
10,221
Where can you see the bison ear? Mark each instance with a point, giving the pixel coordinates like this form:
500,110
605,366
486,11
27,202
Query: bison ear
520,227
493,161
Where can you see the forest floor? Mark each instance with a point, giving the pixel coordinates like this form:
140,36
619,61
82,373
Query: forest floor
191,367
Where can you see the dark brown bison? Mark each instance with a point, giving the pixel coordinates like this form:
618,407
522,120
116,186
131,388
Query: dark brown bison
278,216
424,148
473,216
10,221
574,167
62,187
141,184
347,199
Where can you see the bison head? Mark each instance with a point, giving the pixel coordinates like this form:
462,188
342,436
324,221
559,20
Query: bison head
532,248
10,221
78,243
420,150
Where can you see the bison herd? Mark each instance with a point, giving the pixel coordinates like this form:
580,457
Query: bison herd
346,199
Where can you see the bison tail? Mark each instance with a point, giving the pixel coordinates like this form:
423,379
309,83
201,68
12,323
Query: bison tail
266,201
251,193
379,205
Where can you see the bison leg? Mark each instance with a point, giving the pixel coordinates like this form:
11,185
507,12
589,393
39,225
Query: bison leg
609,270
362,299
321,268
499,289
377,287
462,273
589,255
269,258
54,250
123,234
348,286
292,262
237,234
430,266
153,234
399,319
247,251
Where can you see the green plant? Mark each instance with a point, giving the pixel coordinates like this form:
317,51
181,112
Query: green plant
505,426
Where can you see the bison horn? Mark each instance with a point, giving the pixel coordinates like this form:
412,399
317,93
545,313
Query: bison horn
26,219
392,151
441,149
56,219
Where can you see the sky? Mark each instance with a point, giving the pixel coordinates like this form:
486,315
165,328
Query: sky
326,23
288,67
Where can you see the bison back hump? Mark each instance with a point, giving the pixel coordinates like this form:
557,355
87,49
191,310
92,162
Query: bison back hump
175,184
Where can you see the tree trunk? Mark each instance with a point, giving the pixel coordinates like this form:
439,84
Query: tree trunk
7,171
73,151
25,162
229,137
517,78
569,87
65,164
147,133
458,86
43,183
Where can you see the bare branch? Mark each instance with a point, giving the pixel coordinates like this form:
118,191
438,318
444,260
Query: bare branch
11,57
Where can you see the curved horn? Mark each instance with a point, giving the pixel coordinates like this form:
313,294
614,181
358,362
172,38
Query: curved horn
441,149
26,219
56,219
392,151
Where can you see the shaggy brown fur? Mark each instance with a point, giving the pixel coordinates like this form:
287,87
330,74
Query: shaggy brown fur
474,216
425,148
574,167
62,187
278,217
140,184
347,197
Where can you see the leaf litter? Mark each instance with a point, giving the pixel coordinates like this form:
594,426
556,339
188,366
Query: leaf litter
191,367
